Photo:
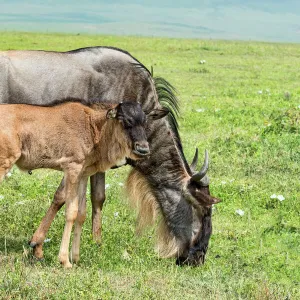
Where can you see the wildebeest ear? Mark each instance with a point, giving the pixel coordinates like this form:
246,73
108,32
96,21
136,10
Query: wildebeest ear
156,114
111,113
206,200
202,197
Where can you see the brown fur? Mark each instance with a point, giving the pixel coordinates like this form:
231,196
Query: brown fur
71,134
70,137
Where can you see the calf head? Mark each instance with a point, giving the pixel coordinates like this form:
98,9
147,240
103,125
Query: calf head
133,120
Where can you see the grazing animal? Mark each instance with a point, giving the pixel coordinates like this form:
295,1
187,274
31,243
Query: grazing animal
76,139
163,184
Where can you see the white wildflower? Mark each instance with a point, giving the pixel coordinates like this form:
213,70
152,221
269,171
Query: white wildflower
280,198
126,255
298,106
240,212
107,186
20,203
47,240
217,109
223,182
260,92
274,196
116,214
203,61
121,183
1,197
200,110
8,174
231,180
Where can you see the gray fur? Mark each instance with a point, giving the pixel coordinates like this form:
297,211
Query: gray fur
108,74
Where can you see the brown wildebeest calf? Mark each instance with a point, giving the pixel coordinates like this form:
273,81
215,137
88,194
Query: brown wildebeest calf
77,139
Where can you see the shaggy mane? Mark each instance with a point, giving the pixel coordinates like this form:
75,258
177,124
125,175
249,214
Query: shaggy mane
144,202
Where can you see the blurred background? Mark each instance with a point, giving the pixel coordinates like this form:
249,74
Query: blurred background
268,20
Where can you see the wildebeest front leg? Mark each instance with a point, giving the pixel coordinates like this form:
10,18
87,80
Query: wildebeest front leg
97,198
81,216
38,237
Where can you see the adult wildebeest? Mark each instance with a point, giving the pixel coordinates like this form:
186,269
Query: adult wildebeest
76,139
164,183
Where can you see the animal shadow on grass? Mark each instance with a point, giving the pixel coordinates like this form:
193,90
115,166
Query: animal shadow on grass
10,245
18,246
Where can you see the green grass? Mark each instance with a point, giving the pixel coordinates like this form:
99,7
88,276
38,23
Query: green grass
250,95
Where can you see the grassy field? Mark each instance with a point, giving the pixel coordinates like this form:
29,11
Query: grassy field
243,105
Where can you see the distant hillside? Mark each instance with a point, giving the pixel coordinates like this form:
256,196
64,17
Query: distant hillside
270,20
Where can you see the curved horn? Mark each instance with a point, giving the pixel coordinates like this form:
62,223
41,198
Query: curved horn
195,161
198,176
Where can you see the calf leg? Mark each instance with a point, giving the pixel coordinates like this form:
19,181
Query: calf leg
98,198
3,172
38,237
81,216
7,163
72,181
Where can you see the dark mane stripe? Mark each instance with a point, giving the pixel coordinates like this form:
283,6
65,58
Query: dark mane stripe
138,64
166,93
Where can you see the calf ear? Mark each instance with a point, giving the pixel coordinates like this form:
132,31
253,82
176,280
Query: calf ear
156,114
111,113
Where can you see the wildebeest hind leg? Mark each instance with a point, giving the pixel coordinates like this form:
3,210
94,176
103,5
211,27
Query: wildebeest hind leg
38,237
98,198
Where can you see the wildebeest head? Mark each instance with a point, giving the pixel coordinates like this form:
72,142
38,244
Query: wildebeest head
133,119
198,194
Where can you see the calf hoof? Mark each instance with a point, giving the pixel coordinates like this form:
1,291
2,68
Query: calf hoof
32,244
38,259
37,250
66,265
75,258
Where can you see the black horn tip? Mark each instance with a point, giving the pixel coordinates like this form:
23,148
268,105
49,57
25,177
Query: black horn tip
194,163
198,176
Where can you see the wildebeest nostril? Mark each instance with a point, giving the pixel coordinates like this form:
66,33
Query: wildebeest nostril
142,148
